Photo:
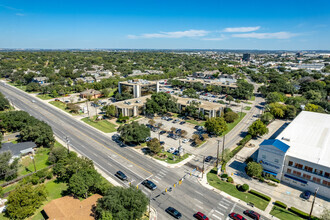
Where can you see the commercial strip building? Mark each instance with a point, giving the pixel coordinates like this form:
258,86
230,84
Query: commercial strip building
138,87
300,155
223,82
136,106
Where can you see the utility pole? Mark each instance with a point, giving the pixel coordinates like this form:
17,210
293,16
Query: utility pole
218,153
203,166
310,214
149,204
223,146
34,163
67,141
241,109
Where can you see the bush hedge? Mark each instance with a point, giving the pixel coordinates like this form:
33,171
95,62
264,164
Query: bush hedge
245,187
224,175
230,180
299,212
280,204
246,139
263,196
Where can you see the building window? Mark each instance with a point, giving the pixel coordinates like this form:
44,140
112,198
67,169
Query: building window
288,170
307,177
309,169
298,165
296,173
319,172
327,175
317,180
263,156
276,160
290,163
326,183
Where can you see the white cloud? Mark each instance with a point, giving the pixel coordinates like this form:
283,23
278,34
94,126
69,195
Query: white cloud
276,35
222,37
241,29
176,34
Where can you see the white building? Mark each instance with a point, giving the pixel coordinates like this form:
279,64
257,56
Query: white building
300,155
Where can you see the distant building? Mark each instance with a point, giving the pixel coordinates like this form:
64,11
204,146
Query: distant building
138,87
299,155
205,74
94,94
246,57
40,80
19,149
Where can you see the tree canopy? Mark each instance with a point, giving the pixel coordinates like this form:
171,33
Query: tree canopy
160,103
134,132
258,128
216,125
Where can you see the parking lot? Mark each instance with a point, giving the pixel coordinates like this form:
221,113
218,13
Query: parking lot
170,141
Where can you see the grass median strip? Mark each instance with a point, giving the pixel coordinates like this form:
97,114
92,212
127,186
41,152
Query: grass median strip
284,214
231,189
102,125
169,158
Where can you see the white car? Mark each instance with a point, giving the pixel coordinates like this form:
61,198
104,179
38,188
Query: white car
171,150
185,140
33,101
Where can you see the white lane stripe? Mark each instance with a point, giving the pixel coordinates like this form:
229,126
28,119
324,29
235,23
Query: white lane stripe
215,216
198,193
199,206
233,208
155,181
223,206
158,177
227,200
218,212
198,201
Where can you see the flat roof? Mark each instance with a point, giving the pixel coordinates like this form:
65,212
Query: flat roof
138,82
203,104
133,102
215,82
308,136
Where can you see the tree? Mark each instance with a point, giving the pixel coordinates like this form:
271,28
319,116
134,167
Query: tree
257,128
275,97
192,109
216,125
57,153
325,214
134,132
25,200
190,92
154,145
183,133
314,108
152,122
4,103
110,110
231,117
8,169
122,203
254,169
42,135
229,98
73,108
267,117
160,103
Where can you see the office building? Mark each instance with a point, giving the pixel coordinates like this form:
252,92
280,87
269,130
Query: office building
138,87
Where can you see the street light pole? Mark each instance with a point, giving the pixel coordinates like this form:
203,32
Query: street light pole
149,204
223,146
203,166
310,214
218,153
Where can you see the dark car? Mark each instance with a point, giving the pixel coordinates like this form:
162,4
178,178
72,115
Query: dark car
169,119
254,215
121,175
201,216
162,132
162,142
306,194
208,158
182,122
172,211
149,184
235,216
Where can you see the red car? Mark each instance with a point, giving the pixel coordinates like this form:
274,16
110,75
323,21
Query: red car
252,214
201,216
235,216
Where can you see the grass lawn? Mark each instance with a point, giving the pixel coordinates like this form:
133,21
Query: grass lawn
199,123
102,125
230,189
44,96
252,98
18,86
112,92
170,160
284,214
247,107
232,125
62,106
40,158
9,188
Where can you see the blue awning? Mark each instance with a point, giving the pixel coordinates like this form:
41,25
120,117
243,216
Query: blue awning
295,178
270,172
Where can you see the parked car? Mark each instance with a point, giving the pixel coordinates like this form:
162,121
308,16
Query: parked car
200,216
208,158
182,122
172,211
121,175
169,119
252,214
164,118
306,194
185,140
236,216
57,100
171,150
148,139
199,128
162,132
149,184
162,142
176,152
178,130
176,120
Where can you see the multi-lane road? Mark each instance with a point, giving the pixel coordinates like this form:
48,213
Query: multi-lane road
188,198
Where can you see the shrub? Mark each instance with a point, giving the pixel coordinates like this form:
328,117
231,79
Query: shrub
224,175
280,204
299,212
245,187
34,179
230,180
263,196
238,187
41,173
246,139
261,179
49,175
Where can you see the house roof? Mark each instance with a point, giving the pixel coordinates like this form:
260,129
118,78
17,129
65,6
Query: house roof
17,149
69,208
90,92
276,143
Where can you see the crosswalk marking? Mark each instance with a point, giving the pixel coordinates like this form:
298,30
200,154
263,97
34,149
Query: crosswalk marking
155,181
158,177
198,200
199,206
226,200
218,212
223,206
216,216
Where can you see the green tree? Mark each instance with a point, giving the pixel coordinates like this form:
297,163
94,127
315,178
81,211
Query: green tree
314,108
229,98
4,103
161,103
267,117
7,169
231,117
42,135
154,146
254,169
110,110
216,125
190,92
122,203
25,200
258,128
134,132
275,97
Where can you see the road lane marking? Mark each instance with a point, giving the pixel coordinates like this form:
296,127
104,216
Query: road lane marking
233,208
158,177
155,180
198,200
218,212
199,193
223,206
199,206
216,216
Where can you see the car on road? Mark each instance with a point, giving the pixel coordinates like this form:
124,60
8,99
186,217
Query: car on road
306,194
162,132
208,158
182,122
149,184
254,215
236,216
201,216
172,211
121,175
185,140
33,101
171,150
164,118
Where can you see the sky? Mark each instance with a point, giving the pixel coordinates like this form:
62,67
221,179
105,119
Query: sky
166,24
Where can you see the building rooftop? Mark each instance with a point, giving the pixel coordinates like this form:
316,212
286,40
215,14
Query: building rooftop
17,149
139,82
308,136
203,104
132,102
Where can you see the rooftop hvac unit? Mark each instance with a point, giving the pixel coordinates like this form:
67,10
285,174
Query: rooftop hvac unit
286,139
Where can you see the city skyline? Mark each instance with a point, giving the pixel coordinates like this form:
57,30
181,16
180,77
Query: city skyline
293,25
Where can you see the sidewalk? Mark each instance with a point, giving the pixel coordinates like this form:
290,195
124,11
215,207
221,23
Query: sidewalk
203,182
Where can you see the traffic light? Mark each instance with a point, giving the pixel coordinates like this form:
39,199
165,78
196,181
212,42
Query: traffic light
174,185
165,189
